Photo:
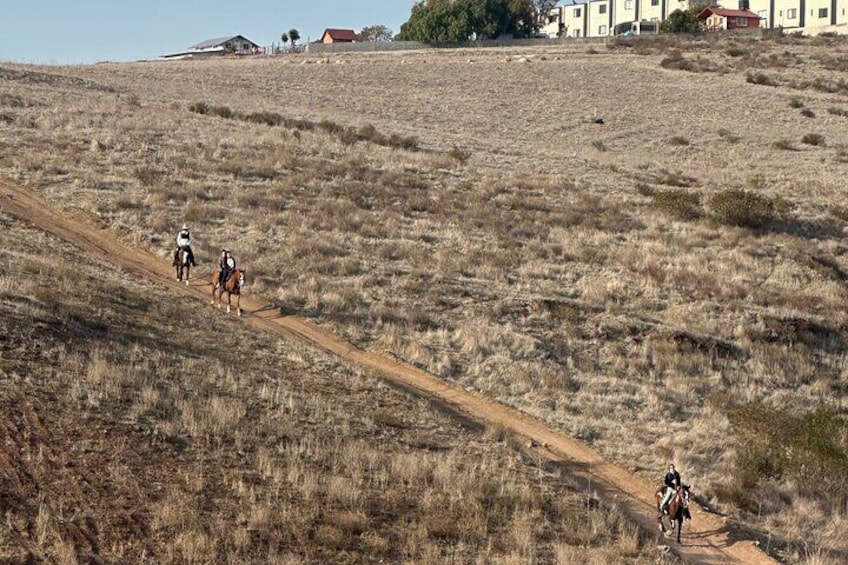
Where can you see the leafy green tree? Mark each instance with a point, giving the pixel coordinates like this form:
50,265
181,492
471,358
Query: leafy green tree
680,21
284,38
451,21
374,33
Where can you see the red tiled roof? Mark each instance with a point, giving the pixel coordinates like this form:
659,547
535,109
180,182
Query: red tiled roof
340,34
728,13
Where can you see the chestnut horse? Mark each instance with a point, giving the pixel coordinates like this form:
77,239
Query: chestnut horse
231,286
678,509
182,264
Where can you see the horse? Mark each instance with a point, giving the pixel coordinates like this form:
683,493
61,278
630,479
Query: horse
678,509
231,286
182,264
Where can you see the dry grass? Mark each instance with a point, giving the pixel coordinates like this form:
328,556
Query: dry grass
532,271
134,434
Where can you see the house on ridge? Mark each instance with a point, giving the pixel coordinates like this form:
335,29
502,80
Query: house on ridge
231,45
333,35
716,18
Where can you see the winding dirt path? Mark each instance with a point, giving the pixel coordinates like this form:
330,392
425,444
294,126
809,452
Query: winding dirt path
709,540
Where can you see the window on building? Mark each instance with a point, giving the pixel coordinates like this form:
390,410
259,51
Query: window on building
576,33
822,12
602,9
628,4
602,30
791,13
577,12
763,14
741,22
655,2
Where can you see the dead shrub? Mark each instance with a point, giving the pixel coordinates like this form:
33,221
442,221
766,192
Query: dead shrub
761,79
816,139
370,133
148,176
783,144
459,155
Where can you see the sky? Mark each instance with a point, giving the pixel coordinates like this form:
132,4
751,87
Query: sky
68,32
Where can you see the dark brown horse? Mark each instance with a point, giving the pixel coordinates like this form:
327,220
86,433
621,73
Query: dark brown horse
231,286
183,264
678,509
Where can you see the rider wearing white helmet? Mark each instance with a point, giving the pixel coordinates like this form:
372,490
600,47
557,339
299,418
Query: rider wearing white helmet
184,241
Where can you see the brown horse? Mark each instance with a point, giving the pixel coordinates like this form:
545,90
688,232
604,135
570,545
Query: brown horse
182,264
231,286
678,509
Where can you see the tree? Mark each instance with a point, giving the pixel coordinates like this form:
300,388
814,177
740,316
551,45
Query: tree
680,21
452,21
294,35
374,33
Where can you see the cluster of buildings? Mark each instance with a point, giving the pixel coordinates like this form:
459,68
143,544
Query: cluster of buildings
239,45
601,18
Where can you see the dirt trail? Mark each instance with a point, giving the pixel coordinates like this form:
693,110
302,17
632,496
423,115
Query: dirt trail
709,540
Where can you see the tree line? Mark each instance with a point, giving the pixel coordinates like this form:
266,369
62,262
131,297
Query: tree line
456,21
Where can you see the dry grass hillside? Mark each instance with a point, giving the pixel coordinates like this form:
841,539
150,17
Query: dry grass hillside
139,427
640,243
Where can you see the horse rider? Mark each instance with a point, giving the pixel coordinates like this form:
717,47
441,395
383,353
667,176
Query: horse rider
184,241
226,264
672,482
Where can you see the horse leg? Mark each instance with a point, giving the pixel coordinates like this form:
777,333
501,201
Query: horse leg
679,527
238,303
187,273
229,301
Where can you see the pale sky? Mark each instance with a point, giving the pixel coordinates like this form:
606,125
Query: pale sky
87,31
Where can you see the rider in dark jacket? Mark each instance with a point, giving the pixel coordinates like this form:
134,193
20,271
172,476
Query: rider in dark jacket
672,482
226,264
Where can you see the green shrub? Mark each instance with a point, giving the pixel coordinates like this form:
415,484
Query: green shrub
796,102
681,204
736,52
199,108
743,208
678,140
811,448
838,111
807,113
222,112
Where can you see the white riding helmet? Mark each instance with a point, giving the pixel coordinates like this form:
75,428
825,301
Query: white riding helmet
185,227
